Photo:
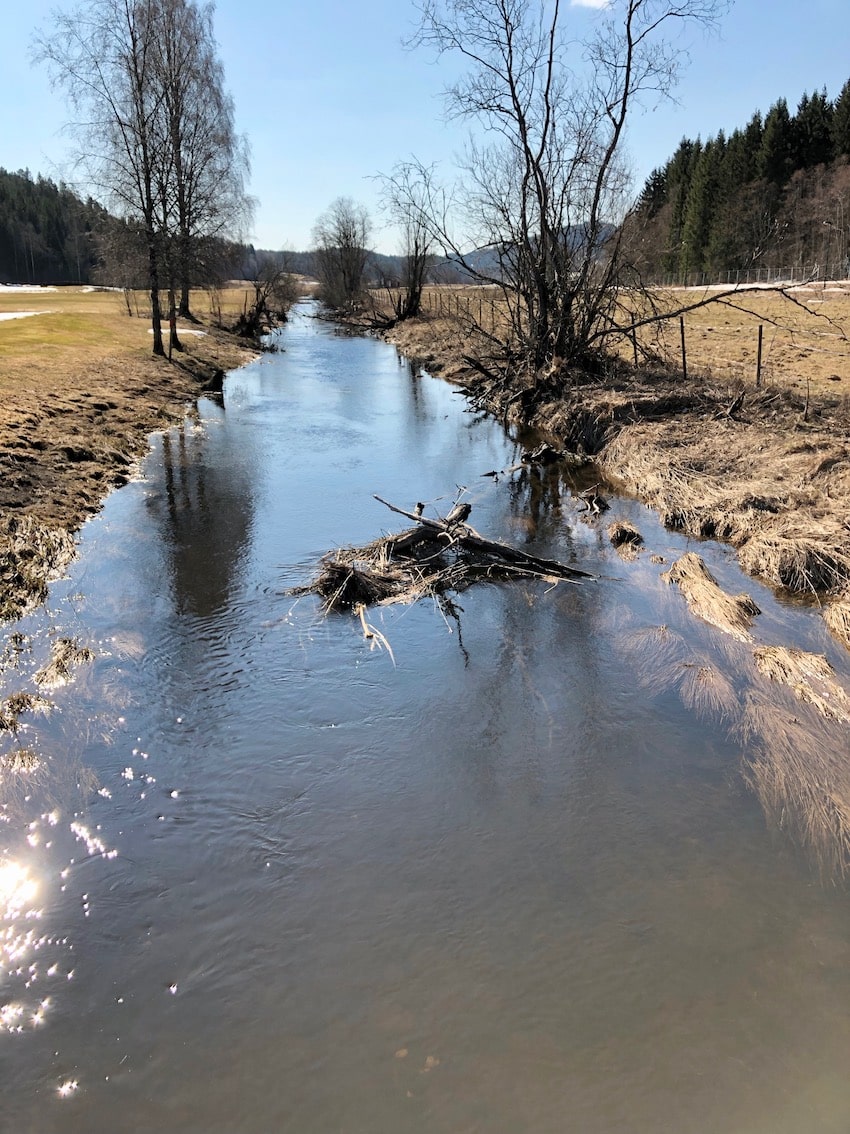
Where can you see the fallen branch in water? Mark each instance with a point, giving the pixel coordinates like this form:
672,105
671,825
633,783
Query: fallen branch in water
435,556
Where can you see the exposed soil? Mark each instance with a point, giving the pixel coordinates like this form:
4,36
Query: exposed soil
69,435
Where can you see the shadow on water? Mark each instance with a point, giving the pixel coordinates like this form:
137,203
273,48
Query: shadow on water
515,886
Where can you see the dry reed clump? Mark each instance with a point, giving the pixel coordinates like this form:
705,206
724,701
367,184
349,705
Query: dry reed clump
665,662
732,614
19,760
814,559
708,692
625,539
31,554
837,618
810,676
65,655
801,777
658,655
19,703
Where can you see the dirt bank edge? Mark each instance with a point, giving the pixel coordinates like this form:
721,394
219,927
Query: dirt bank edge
64,448
764,470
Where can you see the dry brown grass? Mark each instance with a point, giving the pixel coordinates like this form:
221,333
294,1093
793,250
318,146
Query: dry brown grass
797,765
733,614
65,656
836,615
810,676
804,338
805,344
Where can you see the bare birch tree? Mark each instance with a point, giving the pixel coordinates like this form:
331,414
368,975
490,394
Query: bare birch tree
403,198
205,160
154,126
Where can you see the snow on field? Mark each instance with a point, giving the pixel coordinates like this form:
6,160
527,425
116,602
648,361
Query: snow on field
21,314
18,287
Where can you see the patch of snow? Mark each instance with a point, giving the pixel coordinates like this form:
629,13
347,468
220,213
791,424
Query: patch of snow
22,314
180,331
25,287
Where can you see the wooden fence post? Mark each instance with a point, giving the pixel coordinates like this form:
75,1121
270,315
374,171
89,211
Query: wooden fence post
758,360
634,345
684,353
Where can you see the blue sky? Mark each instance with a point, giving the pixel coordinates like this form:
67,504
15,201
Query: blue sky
328,96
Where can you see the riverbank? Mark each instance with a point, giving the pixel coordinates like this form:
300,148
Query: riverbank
764,469
80,393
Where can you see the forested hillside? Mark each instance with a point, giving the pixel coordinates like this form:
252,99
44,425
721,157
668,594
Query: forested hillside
46,231
773,197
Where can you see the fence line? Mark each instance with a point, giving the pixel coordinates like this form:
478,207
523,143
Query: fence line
741,277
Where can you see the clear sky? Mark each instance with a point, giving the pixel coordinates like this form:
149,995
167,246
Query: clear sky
328,96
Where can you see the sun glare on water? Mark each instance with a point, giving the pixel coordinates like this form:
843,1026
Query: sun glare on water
17,889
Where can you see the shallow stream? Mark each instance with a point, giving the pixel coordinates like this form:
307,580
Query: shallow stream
267,878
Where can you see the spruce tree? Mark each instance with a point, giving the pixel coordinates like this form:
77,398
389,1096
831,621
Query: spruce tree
841,123
775,156
812,131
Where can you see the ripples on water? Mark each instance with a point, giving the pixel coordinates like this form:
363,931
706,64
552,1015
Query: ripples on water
261,879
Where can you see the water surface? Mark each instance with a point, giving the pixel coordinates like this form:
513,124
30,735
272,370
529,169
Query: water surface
265,879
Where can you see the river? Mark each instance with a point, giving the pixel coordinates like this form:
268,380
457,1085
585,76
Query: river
267,876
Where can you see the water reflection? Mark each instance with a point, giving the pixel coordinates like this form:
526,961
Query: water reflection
205,511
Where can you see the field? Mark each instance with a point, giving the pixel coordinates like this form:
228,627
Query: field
805,335
76,327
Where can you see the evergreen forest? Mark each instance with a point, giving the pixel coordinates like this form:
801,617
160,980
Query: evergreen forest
47,234
771,200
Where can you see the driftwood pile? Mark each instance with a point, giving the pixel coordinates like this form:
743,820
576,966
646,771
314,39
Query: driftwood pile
428,560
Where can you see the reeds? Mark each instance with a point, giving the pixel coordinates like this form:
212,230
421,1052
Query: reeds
65,656
801,777
31,554
810,676
733,614
837,618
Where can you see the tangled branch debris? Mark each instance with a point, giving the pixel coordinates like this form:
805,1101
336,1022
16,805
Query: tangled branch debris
428,560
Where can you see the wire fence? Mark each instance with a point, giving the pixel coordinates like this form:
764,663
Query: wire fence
775,341
774,277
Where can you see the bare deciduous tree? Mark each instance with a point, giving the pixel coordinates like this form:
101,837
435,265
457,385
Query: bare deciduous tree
205,161
404,201
275,290
154,127
543,186
341,239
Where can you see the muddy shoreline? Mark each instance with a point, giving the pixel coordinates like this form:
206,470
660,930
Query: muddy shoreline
61,455
765,470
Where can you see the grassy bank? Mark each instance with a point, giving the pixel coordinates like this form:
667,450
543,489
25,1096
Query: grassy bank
80,392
